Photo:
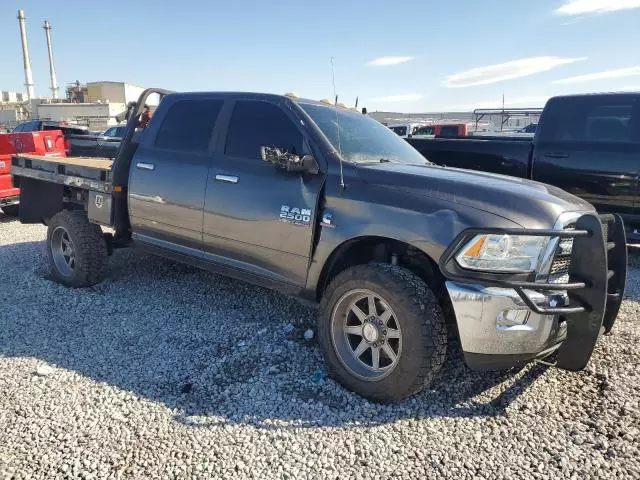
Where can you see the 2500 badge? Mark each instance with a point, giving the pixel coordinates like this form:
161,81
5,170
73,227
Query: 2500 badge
296,216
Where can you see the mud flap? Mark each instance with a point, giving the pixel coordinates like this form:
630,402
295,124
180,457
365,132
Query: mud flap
617,255
39,200
588,264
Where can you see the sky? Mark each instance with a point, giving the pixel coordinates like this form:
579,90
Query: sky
409,56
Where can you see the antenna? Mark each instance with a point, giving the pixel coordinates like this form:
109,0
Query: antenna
335,106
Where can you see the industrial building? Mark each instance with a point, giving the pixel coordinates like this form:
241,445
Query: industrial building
96,104
12,97
96,116
113,92
12,109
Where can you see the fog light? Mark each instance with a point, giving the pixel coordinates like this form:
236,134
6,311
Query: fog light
510,318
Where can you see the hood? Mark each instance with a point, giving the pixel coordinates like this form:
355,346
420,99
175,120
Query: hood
529,204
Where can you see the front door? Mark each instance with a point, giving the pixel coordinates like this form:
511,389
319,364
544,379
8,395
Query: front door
258,218
169,171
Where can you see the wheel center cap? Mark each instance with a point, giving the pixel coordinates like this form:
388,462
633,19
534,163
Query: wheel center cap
370,333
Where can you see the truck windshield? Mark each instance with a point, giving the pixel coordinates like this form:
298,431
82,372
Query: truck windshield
362,139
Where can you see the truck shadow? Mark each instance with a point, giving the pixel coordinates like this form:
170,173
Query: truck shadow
215,350
7,219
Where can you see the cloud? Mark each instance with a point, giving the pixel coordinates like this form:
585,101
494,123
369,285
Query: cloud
629,88
609,74
388,61
583,7
506,71
407,97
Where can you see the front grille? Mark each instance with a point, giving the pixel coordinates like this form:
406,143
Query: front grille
560,265
560,269
559,272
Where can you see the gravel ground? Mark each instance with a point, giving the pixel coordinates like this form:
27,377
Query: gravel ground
165,371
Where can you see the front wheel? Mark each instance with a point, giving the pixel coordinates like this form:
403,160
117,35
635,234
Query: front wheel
382,332
76,249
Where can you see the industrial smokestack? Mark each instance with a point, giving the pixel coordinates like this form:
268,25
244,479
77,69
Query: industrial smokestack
28,76
52,69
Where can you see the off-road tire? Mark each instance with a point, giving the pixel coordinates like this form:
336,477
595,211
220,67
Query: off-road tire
11,210
89,245
424,332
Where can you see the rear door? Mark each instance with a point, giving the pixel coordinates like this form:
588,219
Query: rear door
257,218
590,146
168,176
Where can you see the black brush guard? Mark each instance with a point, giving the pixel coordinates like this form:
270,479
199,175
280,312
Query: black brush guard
597,278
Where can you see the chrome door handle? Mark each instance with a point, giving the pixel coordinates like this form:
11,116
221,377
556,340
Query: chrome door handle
145,166
556,155
227,178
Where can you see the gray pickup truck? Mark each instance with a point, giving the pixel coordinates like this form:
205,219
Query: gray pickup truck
327,204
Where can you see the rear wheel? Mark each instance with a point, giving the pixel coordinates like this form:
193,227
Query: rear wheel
382,332
76,249
11,210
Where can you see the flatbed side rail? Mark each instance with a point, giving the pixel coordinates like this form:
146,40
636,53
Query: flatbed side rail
85,173
62,179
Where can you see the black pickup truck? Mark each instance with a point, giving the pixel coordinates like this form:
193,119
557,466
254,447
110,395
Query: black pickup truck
588,145
105,144
327,204
40,125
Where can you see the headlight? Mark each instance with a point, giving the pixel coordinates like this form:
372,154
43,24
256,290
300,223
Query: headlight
502,253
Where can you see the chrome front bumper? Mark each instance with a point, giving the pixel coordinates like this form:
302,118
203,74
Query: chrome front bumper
496,321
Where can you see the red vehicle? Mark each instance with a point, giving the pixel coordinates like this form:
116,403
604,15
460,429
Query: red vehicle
48,143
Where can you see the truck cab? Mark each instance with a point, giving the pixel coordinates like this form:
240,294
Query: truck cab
329,205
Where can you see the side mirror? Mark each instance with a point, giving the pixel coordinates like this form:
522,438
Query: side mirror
289,161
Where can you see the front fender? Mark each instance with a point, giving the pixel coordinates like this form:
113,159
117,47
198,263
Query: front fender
427,224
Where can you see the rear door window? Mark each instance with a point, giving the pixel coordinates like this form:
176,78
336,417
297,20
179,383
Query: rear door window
256,124
188,125
592,119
